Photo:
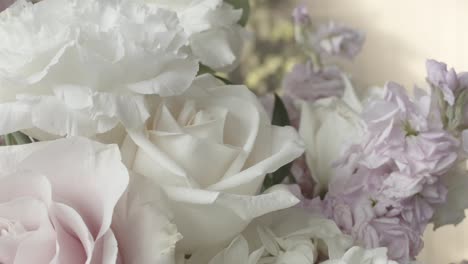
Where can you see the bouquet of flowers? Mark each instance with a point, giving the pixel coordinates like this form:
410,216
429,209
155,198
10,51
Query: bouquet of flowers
123,143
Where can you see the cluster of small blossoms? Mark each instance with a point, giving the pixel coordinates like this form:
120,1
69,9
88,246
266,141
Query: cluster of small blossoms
313,80
387,187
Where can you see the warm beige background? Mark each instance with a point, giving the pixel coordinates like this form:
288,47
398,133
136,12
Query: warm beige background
401,34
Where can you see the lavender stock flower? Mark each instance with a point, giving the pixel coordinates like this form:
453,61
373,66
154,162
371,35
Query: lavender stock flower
387,186
330,39
309,84
402,241
301,15
448,81
337,40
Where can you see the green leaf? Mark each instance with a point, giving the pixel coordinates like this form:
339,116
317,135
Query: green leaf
224,80
280,118
280,114
245,6
16,138
204,69
9,140
21,138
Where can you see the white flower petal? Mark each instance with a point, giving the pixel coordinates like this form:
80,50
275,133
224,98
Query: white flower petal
143,224
326,125
212,27
175,78
73,111
14,117
236,252
223,215
286,146
145,165
219,49
76,79
357,255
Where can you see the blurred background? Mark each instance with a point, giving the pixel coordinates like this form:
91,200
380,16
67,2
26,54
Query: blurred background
400,36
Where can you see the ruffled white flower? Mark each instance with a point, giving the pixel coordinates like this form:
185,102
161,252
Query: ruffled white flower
74,67
287,236
292,236
213,30
210,149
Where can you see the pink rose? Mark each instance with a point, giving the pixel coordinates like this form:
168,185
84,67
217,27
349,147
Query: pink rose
57,203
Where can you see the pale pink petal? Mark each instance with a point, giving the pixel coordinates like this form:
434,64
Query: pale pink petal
143,224
70,226
106,250
25,184
86,186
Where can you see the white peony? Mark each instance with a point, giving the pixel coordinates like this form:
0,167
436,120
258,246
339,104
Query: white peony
212,26
210,149
76,67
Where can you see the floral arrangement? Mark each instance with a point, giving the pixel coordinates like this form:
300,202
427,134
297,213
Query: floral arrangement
123,143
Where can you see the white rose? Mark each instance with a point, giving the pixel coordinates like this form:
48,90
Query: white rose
210,149
57,202
326,126
74,67
283,237
214,34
